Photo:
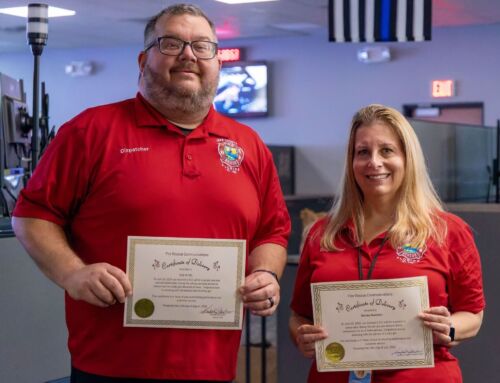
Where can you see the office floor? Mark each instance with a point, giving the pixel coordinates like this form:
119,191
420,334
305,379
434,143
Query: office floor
255,353
256,366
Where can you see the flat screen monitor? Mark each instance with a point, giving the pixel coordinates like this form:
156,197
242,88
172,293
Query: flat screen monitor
243,90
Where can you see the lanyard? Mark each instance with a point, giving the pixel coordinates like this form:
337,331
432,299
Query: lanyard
374,260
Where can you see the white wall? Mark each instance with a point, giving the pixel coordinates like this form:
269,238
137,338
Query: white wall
316,86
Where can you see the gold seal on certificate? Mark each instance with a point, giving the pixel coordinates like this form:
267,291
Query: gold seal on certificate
334,352
185,282
372,325
144,308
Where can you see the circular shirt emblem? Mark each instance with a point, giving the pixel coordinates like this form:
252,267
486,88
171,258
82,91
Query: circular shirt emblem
144,308
335,352
231,155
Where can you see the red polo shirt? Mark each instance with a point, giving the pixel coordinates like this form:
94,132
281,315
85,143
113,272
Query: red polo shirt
454,277
123,170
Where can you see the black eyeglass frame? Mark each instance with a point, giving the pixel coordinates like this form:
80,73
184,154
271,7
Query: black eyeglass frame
157,42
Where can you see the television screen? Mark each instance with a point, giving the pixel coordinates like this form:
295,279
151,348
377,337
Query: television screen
242,90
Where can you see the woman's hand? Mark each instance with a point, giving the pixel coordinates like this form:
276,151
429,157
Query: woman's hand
438,319
307,336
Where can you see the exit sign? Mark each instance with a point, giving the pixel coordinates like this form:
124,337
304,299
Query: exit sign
229,54
443,88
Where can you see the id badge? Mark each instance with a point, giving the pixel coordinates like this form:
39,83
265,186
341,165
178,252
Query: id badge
360,376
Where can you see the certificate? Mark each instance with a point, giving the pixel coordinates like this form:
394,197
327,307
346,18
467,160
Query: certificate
372,324
185,282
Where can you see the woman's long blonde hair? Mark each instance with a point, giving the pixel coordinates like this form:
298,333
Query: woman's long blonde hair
417,217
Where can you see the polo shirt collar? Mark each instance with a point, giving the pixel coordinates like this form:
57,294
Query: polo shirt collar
147,116
349,233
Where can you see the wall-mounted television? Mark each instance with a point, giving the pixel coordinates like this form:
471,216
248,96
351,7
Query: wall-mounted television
243,89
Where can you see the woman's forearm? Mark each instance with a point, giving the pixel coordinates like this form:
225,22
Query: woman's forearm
466,325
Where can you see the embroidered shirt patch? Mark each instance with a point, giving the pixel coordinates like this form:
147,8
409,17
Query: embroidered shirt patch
231,155
410,254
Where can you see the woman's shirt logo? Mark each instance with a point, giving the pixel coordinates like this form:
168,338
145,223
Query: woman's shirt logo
409,254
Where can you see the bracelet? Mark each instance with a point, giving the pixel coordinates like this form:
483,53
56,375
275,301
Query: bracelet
267,271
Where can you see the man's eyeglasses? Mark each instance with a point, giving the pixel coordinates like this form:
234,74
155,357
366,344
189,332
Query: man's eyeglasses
171,46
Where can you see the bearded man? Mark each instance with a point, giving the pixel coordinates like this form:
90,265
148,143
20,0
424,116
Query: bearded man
163,164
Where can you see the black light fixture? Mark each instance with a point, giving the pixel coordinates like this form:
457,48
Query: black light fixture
37,32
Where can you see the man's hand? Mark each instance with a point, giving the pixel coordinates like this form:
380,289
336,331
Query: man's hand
99,284
260,293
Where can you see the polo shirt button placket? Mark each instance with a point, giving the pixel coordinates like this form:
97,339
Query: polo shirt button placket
189,167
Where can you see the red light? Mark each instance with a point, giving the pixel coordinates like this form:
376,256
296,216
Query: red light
229,54
443,88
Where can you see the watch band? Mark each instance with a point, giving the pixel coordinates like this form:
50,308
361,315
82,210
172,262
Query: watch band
452,333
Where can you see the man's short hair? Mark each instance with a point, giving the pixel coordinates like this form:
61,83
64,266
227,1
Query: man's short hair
174,10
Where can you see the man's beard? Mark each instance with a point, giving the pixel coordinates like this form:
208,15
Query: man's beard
170,96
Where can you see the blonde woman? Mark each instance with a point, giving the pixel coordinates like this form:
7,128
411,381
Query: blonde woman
389,223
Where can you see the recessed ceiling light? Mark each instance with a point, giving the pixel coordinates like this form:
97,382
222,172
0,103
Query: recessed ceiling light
23,11
242,1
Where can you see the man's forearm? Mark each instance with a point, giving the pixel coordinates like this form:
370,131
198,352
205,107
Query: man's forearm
47,244
268,256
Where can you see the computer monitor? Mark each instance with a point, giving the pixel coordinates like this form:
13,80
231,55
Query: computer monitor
243,90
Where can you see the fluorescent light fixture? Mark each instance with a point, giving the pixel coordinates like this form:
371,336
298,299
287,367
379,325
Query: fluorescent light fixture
296,27
242,1
426,112
23,11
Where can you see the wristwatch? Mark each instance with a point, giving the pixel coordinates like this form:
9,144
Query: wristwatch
452,333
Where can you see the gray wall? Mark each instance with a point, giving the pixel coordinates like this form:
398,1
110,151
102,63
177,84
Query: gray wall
480,357
33,333
316,86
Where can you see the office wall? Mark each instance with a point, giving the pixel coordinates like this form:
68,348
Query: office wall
316,86
33,333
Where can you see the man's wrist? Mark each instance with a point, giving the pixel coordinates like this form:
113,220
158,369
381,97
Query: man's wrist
267,271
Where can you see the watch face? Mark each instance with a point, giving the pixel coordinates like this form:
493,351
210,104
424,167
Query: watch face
452,333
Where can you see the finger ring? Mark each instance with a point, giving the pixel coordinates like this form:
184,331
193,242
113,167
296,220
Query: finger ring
271,301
